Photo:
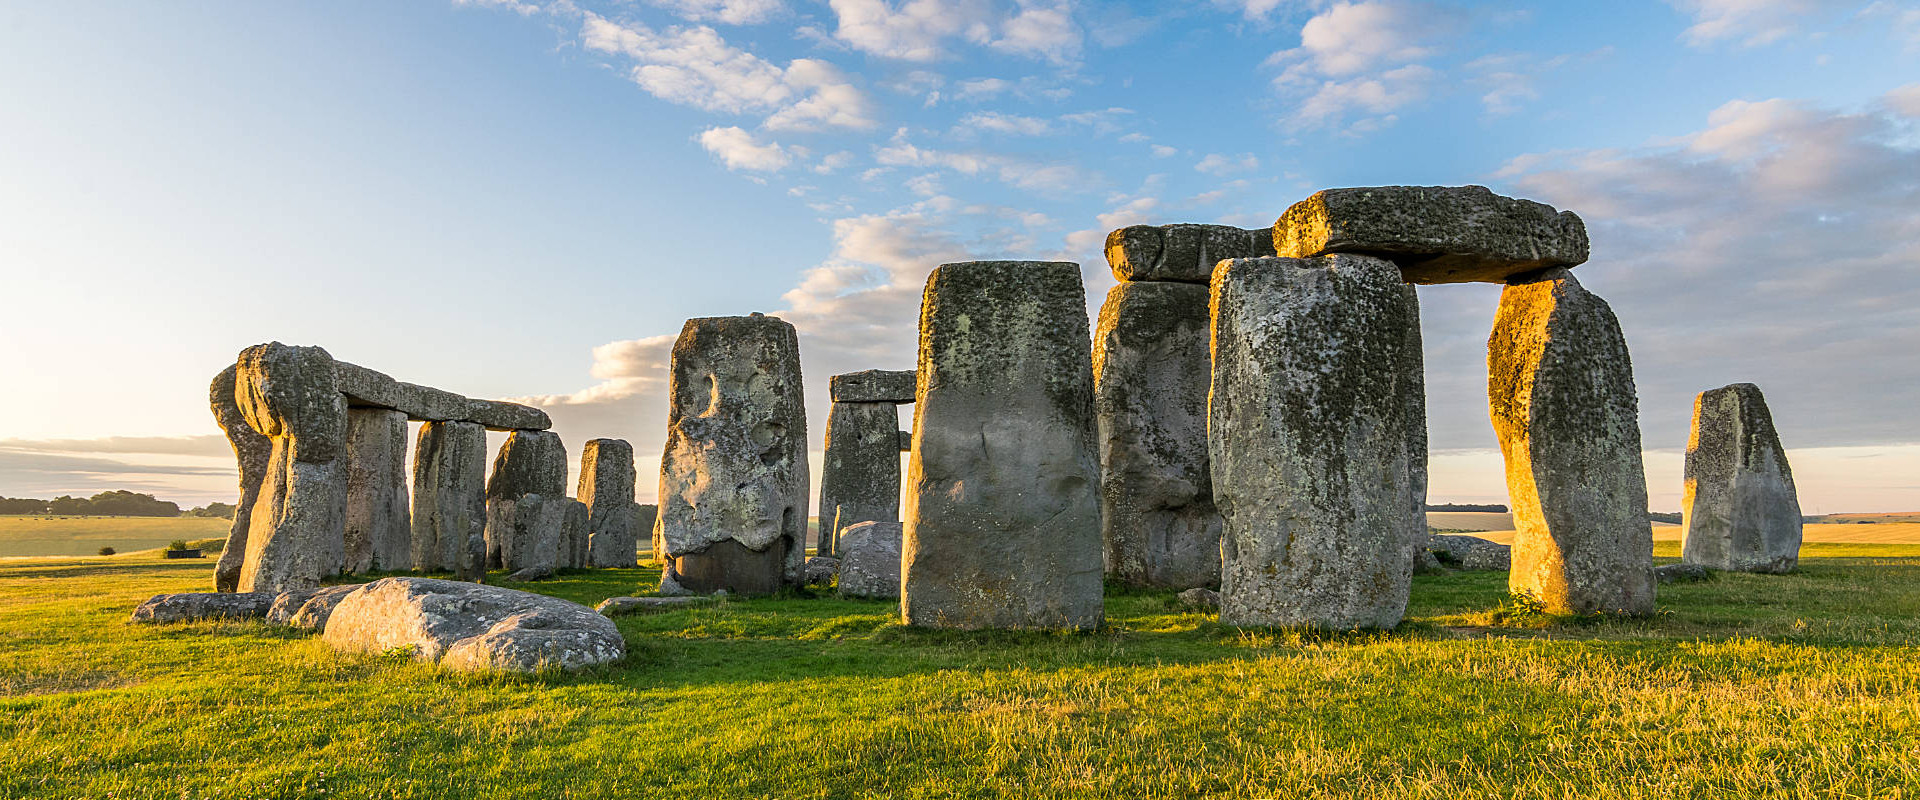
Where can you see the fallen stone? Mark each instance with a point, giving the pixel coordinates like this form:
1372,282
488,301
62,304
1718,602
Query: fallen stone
1003,516
1740,509
1471,552
472,627
251,451
1316,441
820,571
870,559
366,387
286,604
379,528
1435,234
1184,252
606,486
1680,573
872,386
313,612
203,605
1200,598
1560,389
860,471
1498,558
296,535
449,498
733,479
1151,371
617,606
531,574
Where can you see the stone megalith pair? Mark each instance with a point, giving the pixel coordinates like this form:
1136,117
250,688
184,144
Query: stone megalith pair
860,472
1002,517
733,476
1152,372
1740,510
613,518
529,463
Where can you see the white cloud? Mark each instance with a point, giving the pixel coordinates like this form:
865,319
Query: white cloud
1752,22
731,12
697,67
1216,164
1254,9
1041,31
1013,171
1905,100
834,162
739,150
1361,58
920,30
983,88
1163,151
1009,124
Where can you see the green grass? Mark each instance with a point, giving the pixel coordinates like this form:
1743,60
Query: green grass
1806,685
83,536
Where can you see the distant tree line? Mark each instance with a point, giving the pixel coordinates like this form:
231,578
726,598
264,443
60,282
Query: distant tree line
116,503
1489,507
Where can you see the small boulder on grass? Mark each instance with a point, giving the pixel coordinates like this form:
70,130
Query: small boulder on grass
189,606
1200,598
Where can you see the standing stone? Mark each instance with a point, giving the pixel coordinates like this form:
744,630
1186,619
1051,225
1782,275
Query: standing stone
529,462
1151,374
870,560
295,534
1182,252
647,518
1003,509
1560,391
1316,443
1435,234
252,451
860,473
449,498
606,486
576,536
733,476
533,534
379,534
1741,511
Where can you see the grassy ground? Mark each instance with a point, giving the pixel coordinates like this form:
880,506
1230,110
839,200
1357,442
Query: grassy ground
84,536
1805,685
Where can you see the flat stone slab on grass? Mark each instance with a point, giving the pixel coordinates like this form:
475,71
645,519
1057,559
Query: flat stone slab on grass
1435,234
190,606
473,627
616,606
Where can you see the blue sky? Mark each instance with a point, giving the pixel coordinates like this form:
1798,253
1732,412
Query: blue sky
526,199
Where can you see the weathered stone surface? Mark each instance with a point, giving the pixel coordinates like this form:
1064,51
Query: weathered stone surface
870,559
575,538
1003,515
296,532
1680,573
872,386
1740,509
286,604
860,472
906,441
1151,372
366,387
472,627
617,606
1498,558
1200,597
1560,391
646,521
1183,252
252,451
203,605
450,499
1471,552
529,462
315,612
1316,440
606,486
819,571
1436,234
531,530
735,465
379,530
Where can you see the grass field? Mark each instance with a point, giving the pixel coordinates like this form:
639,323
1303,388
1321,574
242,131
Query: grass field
84,536
1805,685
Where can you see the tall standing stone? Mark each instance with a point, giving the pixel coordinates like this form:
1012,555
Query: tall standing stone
1003,509
606,486
1741,511
295,532
252,451
733,476
1316,443
450,498
1560,391
379,533
860,473
1151,374
529,462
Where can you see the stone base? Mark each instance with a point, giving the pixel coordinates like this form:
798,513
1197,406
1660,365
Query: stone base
729,565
